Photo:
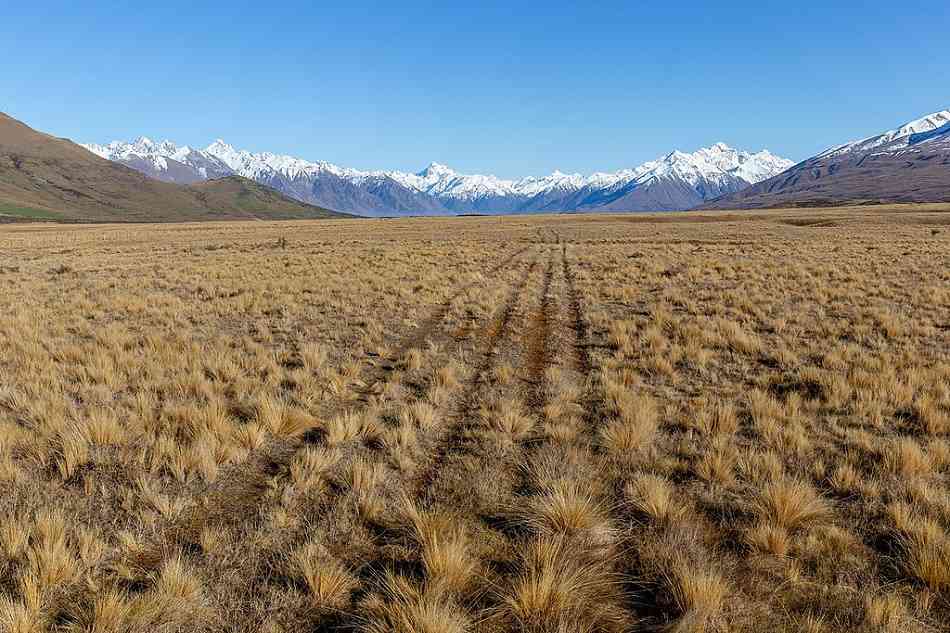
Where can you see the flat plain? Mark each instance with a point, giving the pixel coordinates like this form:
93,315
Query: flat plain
683,422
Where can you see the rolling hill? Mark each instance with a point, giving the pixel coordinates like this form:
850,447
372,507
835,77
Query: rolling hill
44,177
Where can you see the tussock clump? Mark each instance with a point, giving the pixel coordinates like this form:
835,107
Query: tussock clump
630,407
933,419
362,481
352,426
635,425
567,509
408,608
717,463
844,479
696,592
717,417
71,449
791,504
507,419
905,457
21,617
653,497
621,437
311,466
314,356
414,359
283,420
402,442
446,552
329,583
420,413
620,336
925,554
448,376
562,588
886,612
737,339
770,539
503,373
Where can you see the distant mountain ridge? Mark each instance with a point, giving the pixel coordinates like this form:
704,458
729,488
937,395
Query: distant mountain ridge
910,163
677,181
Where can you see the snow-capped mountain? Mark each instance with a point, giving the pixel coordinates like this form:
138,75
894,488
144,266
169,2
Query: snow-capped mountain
931,128
910,163
164,161
676,181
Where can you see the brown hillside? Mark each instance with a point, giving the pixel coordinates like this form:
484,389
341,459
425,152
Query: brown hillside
44,177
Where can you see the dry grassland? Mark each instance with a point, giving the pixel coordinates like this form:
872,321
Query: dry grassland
546,424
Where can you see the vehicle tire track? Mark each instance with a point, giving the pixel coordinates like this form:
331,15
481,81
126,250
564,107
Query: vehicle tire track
422,332
539,348
236,495
363,549
448,442
555,466
444,486
457,437
579,323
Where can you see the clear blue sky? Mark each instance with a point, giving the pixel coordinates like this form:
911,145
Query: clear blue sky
484,87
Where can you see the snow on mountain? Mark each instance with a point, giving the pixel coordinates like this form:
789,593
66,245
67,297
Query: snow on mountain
438,188
714,163
894,140
142,147
910,163
164,160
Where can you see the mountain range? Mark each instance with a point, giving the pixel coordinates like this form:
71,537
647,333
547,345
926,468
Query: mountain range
910,163
44,177
676,181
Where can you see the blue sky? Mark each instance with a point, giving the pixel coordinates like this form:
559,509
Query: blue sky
484,87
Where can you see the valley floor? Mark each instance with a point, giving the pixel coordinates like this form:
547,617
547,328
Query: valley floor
720,422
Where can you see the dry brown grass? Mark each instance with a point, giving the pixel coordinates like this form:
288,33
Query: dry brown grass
580,423
328,582
561,589
790,504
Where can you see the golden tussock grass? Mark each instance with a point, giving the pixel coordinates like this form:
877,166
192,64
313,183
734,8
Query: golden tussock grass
791,504
697,594
561,588
654,498
446,551
682,422
406,608
328,582
567,509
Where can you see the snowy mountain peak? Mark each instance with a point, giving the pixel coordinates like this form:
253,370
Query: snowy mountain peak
677,156
435,169
219,145
928,123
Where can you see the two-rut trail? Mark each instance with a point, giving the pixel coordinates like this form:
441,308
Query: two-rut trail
455,440
375,560
236,494
463,442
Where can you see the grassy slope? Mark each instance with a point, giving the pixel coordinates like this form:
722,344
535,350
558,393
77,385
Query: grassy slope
49,177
